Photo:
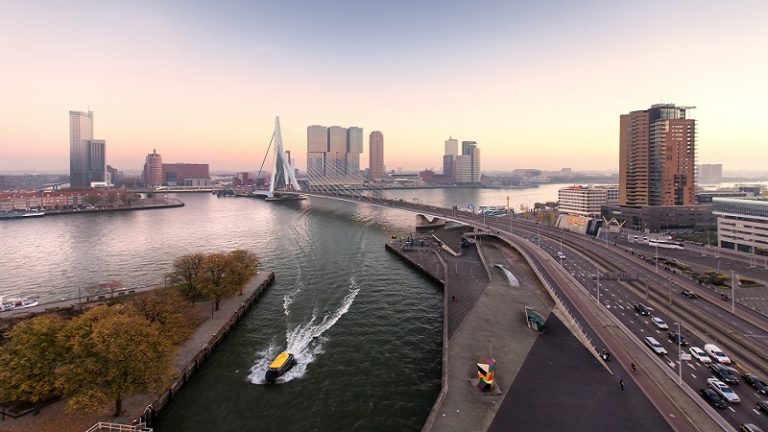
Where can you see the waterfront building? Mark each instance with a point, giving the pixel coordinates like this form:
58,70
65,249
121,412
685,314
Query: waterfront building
742,224
376,156
582,200
354,150
55,199
710,173
452,147
97,163
470,149
448,162
317,149
337,150
657,157
462,169
152,175
177,174
80,133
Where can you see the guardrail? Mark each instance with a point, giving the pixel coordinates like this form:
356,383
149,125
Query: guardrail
117,427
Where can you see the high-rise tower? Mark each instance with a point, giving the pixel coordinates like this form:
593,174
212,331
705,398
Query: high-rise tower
376,156
657,156
80,132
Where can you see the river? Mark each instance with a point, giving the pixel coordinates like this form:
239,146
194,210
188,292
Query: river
366,328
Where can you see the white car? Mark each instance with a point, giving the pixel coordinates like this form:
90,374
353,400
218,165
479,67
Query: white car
659,323
717,354
654,345
723,390
700,355
561,255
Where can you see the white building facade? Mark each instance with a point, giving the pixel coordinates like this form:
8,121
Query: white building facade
582,200
742,224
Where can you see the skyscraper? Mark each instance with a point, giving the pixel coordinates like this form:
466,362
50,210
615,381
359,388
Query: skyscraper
97,161
376,156
657,157
451,151
354,149
452,146
335,162
469,148
153,170
80,132
317,148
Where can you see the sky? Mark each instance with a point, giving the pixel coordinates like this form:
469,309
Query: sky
536,84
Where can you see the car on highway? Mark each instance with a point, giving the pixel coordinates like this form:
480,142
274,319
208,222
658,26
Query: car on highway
690,294
713,398
724,373
723,390
642,309
700,355
749,427
654,345
763,406
717,354
753,380
561,255
659,323
676,338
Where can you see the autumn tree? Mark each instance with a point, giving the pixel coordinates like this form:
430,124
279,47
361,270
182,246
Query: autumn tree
214,276
112,353
243,266
29,359
186,275
92,199
169,311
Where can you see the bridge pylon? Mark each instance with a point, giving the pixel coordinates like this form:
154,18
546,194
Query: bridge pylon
283,174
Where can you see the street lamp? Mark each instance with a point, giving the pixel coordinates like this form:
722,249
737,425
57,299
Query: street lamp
657,258
679,355
597,281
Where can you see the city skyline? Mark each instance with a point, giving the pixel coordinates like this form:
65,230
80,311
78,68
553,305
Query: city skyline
526,81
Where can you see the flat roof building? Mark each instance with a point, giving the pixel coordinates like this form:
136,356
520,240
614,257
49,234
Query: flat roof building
742,224
582,200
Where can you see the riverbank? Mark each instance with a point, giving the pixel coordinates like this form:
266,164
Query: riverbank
188,359
145,204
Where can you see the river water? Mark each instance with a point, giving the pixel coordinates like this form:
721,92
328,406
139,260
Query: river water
365,328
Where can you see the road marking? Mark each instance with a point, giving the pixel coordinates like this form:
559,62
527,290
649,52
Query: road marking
732,410
756,411
693,376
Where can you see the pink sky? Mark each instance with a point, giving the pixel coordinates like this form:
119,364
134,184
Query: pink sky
544,90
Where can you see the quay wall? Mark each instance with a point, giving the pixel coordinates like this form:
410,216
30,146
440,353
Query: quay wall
255,288
444,361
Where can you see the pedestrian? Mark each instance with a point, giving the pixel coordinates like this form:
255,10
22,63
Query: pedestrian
621,383
634,368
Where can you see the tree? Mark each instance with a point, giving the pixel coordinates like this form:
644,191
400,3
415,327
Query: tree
169,311
244,266
29,359
110,199
112,353
186,275
129,198
92,199
214,276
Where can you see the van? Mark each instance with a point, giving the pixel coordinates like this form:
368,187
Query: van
654,345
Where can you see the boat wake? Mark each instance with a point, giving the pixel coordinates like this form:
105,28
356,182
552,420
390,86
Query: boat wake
305,342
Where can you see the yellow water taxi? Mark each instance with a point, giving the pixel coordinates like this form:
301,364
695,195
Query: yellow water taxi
280,365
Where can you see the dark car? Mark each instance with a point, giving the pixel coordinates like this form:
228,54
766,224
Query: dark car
673,336
690,294
725,373
713,398
763,406
642,309
752,379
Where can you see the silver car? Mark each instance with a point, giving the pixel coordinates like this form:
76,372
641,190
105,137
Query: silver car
723,390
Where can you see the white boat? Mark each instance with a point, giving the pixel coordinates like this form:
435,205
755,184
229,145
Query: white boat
13,303
493,210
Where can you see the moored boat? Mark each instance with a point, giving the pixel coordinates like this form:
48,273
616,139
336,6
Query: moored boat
16,303
280,365
20,215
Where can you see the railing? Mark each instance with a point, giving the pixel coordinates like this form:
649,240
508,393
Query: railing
118,427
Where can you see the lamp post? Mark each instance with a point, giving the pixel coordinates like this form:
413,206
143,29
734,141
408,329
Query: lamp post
734,282
597,281
669,289
679,355
657,258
